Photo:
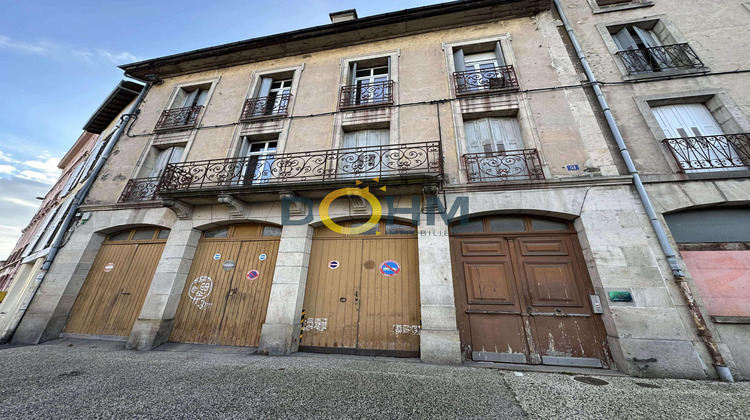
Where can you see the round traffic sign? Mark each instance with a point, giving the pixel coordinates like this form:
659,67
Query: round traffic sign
333,264
217,256
262,257
390,268
253,274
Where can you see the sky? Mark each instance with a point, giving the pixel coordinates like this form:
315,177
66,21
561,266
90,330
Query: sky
58,62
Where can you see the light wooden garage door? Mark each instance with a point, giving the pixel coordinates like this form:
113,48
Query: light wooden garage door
112,295
350,305
226,294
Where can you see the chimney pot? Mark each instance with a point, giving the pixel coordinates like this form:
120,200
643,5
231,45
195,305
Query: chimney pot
343,15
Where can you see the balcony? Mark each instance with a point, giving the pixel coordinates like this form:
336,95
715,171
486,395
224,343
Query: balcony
494,79
711,153
398,164
655,59
178,118
265,107
508,165
366,94
139,190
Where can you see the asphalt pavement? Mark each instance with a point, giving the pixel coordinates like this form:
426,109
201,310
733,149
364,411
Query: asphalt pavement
69,379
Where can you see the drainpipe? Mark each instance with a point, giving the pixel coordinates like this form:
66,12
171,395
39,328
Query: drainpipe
77,200
679,277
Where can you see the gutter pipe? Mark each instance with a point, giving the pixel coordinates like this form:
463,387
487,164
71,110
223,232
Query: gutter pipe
77,201
679,277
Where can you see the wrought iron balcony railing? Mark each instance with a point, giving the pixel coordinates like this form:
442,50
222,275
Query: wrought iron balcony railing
662,58
265,107
178,118
485,80
366,94
508,165
140,189
727,151
398,160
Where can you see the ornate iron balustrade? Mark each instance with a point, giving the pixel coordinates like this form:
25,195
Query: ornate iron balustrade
711,152
286,168
661,58
140,189
172,119
265,107
485,80
366,94
508,165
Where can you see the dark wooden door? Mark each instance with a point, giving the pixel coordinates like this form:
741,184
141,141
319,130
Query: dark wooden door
525,299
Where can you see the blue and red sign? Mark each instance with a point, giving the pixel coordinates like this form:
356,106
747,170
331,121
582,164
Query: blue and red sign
253,274
333,264
390,268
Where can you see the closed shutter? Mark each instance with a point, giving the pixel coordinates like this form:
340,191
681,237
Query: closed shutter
366,138
39,232
55,225
73,180
690,120
92,158
493,135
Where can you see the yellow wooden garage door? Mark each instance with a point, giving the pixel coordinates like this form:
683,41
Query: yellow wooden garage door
112,295
226,294
362,292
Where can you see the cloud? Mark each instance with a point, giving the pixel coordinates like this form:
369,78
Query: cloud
63,51
25,47
17,206
43,168
20,202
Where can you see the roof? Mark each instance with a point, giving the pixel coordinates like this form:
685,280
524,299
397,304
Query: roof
335,35
120,97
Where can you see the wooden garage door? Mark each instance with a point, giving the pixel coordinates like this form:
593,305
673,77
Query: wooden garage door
522,293
350,305
226,294
112,295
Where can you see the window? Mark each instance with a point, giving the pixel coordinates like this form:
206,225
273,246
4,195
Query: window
697,141
191,96
185,107
258,165
481,68
606,6
75,176
370,84
272,98
163,158
361,155
648,47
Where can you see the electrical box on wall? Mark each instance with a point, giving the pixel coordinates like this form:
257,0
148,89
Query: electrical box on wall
596,304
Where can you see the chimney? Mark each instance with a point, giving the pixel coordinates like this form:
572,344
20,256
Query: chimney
343,15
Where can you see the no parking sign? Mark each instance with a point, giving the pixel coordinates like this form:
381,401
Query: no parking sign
390,268
252,274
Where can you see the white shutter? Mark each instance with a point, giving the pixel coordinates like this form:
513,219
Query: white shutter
265,86
458,60
162,158
472,140
691,120
40,231
648,37
202,95
354,74
499,54
190,99
179,99
73,180
506,134
53,227
624,40
94,154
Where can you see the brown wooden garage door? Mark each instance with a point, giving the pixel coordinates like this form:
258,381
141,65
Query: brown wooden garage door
112,295
226,294
522,293
350,305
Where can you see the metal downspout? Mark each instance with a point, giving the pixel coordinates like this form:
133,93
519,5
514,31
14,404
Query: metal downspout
6,335
679,277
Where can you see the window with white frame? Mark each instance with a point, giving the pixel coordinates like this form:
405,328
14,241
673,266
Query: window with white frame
257,166
190,96
370,83
482,67
272,98
648,47
697,141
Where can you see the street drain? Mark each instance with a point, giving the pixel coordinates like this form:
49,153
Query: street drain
647,385
590,381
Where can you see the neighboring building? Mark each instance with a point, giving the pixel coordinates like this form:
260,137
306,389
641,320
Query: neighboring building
23,266
480,102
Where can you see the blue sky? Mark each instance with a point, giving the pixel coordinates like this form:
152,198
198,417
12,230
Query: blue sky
58,61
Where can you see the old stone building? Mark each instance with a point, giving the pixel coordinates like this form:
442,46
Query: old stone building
243,205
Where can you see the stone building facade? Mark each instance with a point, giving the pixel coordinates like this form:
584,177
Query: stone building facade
224,189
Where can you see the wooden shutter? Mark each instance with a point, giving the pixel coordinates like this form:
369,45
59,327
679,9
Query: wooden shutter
690,120
39,232
624,40
202,95
648,38
458,60
506,134
93,156
54,226
179,99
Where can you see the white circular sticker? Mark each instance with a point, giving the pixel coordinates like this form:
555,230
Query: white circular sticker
262,257
109,267
217,256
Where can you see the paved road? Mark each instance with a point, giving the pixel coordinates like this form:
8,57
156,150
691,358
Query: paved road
79,379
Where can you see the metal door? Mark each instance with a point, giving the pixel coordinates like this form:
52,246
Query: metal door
523,297
350,305
114,291
226,294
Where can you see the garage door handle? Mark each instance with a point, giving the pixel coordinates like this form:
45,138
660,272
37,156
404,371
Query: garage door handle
125,293
477,311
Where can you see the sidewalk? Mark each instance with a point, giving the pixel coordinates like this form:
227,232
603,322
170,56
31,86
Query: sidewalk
82,379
